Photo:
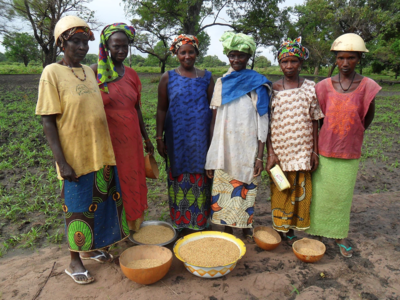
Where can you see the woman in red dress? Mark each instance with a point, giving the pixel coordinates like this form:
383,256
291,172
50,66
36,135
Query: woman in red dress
121,90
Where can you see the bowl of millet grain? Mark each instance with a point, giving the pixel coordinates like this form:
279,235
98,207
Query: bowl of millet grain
145,264
308,250
209,254
266,237
154,233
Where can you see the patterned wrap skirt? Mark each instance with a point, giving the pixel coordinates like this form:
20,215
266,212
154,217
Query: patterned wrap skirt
290,208
232,202
333,184
189,200
94,212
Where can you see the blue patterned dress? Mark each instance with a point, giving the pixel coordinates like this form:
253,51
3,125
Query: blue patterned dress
187,130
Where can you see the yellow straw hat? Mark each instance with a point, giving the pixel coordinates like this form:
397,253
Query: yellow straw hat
66,23
349,42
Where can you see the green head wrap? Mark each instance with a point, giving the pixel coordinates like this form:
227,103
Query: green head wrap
237,42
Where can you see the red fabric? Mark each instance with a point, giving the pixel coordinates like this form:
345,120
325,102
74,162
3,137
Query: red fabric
123,123
342,134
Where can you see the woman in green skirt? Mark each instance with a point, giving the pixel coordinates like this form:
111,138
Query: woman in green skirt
347,101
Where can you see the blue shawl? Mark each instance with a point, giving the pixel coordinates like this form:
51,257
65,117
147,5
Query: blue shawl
239,83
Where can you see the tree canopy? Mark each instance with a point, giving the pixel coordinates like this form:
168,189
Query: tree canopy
21,47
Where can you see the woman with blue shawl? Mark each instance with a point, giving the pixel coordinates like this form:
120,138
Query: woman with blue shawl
239,131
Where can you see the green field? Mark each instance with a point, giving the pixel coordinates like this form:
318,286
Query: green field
30,206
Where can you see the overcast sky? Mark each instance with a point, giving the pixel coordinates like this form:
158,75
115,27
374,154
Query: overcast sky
108,14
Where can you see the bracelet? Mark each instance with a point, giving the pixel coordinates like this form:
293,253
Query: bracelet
158,138
148,140
259,159
316,154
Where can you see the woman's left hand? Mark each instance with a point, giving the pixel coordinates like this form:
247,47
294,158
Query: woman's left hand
314,161
149,148
258,167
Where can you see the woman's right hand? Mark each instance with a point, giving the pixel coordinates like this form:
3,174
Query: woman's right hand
210,173
67,172
162,150
271,162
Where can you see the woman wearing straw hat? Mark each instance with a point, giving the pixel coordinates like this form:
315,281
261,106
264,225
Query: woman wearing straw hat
240,127
183,113
347,101
76,128
120,88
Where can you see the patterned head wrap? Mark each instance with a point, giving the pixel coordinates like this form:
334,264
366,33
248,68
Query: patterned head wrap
66,35
184,39
237,42
105,69
293,48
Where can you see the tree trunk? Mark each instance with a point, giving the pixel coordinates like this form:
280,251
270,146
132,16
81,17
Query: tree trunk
50,55
193,15
316,70
361,68
254,61
26,61
331,70
163,62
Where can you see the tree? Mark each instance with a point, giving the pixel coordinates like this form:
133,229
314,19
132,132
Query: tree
2,57
21,47
262,62
43,15
387,55
210,61
90,59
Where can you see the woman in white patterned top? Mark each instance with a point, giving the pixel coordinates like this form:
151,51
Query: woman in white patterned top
293,141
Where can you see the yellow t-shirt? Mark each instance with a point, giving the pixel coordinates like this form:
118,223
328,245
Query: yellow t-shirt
81,120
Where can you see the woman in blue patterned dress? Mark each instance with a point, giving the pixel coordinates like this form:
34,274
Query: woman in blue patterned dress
184,116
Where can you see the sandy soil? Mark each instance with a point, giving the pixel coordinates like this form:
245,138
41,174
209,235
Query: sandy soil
372,273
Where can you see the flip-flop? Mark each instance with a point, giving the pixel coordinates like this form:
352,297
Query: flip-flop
97,257
249,238
290,239
345,249
89,280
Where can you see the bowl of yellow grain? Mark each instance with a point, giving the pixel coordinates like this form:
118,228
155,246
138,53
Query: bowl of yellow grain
145,264
266,237
209,254
309,250
154,233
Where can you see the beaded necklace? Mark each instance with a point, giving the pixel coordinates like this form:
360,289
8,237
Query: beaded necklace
74,72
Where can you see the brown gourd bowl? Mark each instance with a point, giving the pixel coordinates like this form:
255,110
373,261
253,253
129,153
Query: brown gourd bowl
312,244
151,167
146,276
262,244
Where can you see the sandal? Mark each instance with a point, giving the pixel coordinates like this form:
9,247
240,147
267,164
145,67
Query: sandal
345,249
249,238
86,274
99,257
291,238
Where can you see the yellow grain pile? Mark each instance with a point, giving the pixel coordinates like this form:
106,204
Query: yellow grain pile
266,237
210,252
153,234
144,263
308,251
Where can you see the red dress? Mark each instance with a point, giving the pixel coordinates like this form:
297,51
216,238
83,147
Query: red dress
123,123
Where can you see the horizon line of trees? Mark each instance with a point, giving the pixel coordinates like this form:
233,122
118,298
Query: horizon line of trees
157,22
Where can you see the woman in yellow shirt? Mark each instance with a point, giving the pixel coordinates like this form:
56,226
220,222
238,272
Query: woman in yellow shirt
76,128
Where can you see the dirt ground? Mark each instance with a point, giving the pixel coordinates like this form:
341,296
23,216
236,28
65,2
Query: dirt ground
372,273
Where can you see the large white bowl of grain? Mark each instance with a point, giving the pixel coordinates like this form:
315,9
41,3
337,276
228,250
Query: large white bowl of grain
209,254
154,233
308,250
145,264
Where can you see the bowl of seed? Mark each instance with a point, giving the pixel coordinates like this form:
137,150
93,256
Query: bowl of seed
154,233
145,264
266,237
209,254
308,250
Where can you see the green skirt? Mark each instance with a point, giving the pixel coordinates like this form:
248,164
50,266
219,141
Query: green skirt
333,188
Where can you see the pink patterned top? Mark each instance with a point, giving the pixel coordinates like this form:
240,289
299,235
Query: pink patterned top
342,133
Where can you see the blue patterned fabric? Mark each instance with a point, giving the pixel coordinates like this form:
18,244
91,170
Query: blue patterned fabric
187,123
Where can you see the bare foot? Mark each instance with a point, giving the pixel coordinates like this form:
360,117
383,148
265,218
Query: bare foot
344,247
